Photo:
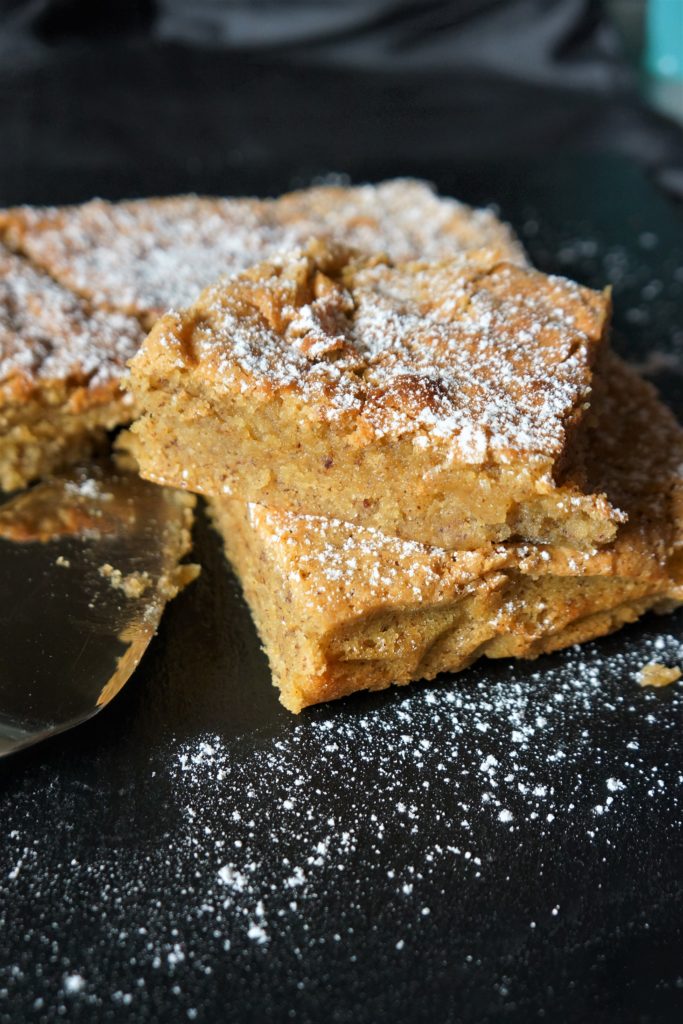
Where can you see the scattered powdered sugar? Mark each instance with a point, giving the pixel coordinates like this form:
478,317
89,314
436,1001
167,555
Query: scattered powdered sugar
447,766
277,846
73,983
88,487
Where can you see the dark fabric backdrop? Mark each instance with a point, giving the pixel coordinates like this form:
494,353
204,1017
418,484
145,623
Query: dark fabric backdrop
162,93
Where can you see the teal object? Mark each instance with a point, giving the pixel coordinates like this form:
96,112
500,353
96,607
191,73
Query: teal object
664,53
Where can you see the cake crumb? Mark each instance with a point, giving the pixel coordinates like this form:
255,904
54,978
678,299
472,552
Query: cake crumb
173,582
64,562
132,585
656,674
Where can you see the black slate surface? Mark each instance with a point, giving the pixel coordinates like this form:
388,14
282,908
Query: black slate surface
504,845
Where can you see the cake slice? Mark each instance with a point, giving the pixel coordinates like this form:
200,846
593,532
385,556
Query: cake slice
437,402
145,256
342,608
60,372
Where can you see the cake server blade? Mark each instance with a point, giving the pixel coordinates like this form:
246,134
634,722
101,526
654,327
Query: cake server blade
87,562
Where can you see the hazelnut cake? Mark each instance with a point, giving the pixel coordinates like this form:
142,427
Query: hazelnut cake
342,608
435,401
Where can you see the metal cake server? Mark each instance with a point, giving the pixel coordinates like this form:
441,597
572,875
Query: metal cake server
87,563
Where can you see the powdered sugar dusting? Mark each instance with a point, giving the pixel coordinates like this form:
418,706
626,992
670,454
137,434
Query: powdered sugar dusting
46,333
147,256
571,911
275,846
485,357
328,557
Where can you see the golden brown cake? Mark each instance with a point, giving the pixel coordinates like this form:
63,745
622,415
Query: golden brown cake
145,256
436,402
60,371
342,608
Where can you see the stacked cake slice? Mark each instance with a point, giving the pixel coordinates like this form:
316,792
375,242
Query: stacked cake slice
414,464
343,607
434,401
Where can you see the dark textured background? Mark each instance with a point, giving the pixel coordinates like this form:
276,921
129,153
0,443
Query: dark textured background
109,852
174,94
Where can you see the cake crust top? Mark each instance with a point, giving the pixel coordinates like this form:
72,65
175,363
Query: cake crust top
489,360
49,335
147,256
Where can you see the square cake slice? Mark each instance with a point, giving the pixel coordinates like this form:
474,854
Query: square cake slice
342,608
60,372
437,402
145,256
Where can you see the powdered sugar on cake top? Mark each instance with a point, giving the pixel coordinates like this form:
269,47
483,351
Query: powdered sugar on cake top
46,333
486,356
149,255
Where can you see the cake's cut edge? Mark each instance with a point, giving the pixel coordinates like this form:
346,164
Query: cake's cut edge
500,614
